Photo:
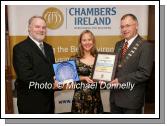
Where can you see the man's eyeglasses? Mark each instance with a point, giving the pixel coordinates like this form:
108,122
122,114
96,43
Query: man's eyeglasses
127,26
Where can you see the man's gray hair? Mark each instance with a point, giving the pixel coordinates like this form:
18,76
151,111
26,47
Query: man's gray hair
33,17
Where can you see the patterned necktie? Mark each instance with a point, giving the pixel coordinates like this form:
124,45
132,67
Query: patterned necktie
42,48
124,49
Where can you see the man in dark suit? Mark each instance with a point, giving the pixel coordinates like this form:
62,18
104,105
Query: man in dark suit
32,61
135,61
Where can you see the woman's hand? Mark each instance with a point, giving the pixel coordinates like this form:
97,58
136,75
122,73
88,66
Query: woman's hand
86,78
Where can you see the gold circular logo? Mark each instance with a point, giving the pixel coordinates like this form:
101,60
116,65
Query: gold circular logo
54,18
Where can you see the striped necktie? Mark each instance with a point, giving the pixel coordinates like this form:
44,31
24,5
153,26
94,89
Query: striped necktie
124,49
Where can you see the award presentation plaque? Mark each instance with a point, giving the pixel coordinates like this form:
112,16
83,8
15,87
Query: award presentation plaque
66,71
104,67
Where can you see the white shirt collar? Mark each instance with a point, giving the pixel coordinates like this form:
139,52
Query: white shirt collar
131,40
35,41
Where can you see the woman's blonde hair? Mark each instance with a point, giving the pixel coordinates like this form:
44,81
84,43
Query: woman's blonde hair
93,51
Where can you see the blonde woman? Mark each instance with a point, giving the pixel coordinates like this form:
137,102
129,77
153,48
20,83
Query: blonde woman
86,99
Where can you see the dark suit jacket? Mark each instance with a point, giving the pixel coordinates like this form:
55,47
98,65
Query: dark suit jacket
136,70
32,66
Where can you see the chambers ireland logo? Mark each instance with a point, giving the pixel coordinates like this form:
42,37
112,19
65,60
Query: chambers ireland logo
54,17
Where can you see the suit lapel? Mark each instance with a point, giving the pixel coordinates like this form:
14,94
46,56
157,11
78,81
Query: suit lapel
131,46
130,52
36,49
119,51
47,54
134,44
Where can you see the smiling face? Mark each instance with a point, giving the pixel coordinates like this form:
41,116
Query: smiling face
37,29
129,27
87,42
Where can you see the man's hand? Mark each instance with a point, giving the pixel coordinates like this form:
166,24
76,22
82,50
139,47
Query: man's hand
115,82
55,84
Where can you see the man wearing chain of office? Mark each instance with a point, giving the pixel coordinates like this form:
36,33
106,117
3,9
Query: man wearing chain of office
135,61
